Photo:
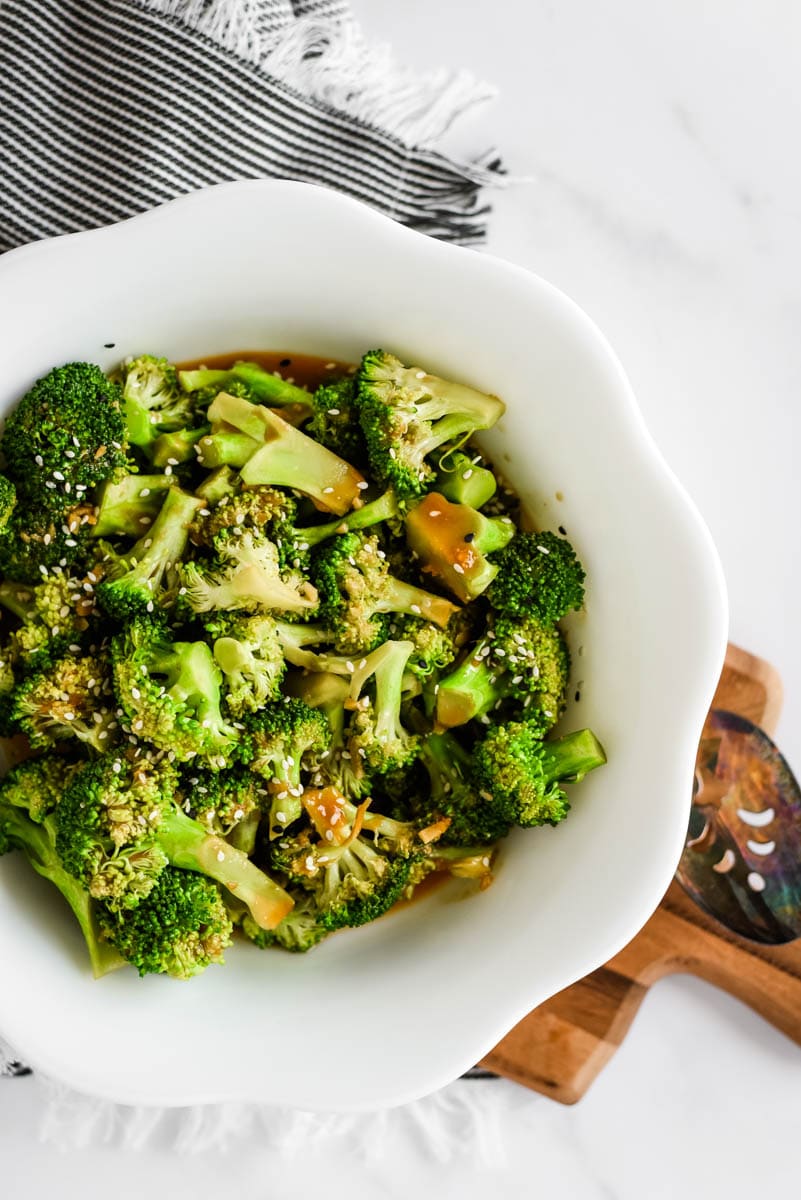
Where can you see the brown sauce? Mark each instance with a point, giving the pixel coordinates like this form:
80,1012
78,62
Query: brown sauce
304,370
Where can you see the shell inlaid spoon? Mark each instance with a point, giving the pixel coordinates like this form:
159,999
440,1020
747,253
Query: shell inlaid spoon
742,859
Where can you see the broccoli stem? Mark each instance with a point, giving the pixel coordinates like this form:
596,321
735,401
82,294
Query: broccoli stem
386,665
179,446
187,844
226,447
286,457
572,756
164,545
469,691
220,482
464,482
400,597
384,508
262,384
125,504
37,843
17,598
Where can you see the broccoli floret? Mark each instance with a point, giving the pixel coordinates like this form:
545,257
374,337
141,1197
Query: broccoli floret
248,380
129,505
229,803
64,438
154,400
375,512
452,542
67,697
357,873
520,666
37,785
262,510
249,654
36,541
120,826
8,500
537,573
169,693
178,929
376,731
52,614
356,593
36,840
248,577
135,583
521,775
462,479
407,414
335,420
298,932
283,456
280,741
435,648
338,765
454,799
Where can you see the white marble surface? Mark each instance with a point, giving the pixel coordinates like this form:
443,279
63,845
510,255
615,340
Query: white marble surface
660,148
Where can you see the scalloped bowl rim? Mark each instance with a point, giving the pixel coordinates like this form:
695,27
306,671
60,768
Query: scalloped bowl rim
431,939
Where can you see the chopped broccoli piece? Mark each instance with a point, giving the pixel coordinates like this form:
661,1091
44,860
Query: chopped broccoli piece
154,401
135,583
120,826
537,573
128,505
67,697
521,775
455,798
407,414
357,592
520,665
280,740
246,379
452,541
249,654
228,803
249,577
335,420
64,438
36,840
463,480
169,693
178,929
299,931
285,457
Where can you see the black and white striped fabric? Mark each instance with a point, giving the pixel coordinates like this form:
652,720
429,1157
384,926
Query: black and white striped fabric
108,107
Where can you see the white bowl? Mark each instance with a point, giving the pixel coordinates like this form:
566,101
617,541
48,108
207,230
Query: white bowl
390,1012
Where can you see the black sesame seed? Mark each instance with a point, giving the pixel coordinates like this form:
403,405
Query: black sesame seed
109,345
285,362
578,696
563,531
468,537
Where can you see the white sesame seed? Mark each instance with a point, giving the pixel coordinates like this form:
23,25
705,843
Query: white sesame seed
39,460
363,485
435,512
172,462
57,475
458,568
327,491
49,483
220,856
333,412
116,766
466,474
144,492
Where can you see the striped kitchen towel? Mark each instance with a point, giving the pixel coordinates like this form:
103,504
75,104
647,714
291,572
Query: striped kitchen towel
108,107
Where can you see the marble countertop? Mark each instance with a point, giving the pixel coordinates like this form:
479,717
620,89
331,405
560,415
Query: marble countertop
654,177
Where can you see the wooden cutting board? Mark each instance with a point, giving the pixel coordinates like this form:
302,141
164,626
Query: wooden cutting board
562,1045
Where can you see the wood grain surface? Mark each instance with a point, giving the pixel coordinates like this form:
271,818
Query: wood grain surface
560,1047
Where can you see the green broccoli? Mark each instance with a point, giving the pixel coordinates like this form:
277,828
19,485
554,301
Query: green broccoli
376,730
282,456
119,826
27,824
178,929
335,420
53,614
128,505
64,438
463,480
407,414
249,576
337,765
229,803
452,541
537,573
454,799
135,583
278,743
153,400
248,652
246,379
521,776
383,510
520,666
169,693
67,697
357,593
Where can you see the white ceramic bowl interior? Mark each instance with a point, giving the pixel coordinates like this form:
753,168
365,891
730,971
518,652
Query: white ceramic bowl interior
390,1012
